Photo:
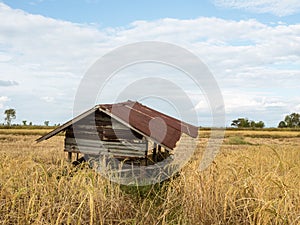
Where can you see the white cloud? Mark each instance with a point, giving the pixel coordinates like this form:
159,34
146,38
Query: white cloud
245,102
3,100
7,83
44,42
297,108
255,64
256,106
4,57
223,41
48,99
276,7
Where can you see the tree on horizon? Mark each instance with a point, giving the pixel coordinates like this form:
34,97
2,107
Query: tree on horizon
244,123
291,121
10,114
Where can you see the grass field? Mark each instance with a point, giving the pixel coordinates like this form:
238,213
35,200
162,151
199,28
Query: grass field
255,179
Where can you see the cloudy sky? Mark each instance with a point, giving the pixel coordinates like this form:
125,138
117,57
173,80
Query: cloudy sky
251,47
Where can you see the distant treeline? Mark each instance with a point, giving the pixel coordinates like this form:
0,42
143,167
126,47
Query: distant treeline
251,128
290,121
18,126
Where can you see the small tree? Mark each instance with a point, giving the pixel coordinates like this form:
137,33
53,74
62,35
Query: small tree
252,123
292,120
46,123
24,122
282,124
260,124
10,115
241,122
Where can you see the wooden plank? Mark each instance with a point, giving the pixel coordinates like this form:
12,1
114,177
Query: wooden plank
103,149
73,141
99,126
129,154
111,131
105,134
86,136
97,151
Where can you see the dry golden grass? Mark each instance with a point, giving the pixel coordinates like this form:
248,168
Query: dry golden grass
258,133
25,131
256,182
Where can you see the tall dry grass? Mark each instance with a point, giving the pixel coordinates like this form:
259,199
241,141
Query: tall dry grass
252,183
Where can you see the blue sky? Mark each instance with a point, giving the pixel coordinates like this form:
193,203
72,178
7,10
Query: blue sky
116,13
251,47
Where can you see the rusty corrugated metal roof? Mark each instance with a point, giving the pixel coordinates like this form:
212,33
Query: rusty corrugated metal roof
159,127
156,125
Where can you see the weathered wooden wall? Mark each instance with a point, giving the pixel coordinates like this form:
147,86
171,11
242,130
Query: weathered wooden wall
100,134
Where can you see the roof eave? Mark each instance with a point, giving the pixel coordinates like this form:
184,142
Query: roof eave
67,124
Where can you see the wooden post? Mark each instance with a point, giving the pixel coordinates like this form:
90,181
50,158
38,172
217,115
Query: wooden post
159,149
154,158
69,156
159,152
167,152
146,153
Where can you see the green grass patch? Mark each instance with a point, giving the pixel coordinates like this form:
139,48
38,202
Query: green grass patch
238,140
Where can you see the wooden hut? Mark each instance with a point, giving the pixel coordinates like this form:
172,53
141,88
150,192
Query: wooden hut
128,131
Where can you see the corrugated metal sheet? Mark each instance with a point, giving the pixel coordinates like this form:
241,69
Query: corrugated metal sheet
142,119
139,117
